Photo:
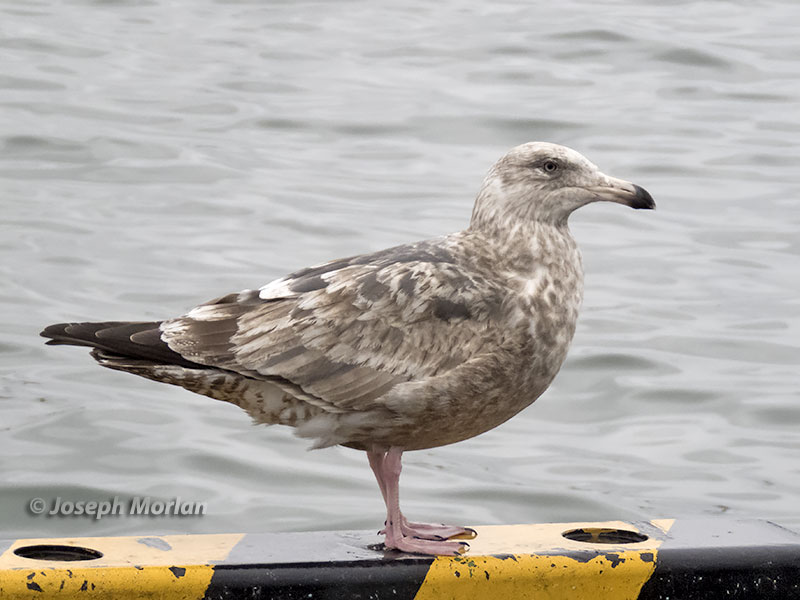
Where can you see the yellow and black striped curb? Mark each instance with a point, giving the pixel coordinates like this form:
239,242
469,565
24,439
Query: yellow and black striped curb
661,559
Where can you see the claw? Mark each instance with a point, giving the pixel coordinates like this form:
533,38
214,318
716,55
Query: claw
469,534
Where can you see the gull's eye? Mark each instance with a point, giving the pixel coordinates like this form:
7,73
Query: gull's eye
550,166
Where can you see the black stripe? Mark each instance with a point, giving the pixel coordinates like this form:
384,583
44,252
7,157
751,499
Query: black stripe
747,573
726,560
398,580
319,565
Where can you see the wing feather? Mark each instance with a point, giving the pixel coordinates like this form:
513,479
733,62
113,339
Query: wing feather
342,335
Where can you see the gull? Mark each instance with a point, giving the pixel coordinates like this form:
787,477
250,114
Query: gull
408,348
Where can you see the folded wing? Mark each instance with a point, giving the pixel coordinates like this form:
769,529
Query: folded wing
343,334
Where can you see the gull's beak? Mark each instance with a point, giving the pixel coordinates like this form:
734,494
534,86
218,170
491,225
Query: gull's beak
623,192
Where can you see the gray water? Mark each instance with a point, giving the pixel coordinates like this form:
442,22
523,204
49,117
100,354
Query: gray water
154,155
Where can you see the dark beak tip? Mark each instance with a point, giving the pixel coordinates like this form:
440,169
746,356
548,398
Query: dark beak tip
643,199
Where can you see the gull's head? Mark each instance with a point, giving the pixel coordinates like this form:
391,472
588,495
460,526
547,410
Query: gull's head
544,182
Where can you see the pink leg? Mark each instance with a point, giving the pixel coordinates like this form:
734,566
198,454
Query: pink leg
426,531
375,458
401,535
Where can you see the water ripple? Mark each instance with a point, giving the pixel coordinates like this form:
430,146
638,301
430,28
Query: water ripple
154,155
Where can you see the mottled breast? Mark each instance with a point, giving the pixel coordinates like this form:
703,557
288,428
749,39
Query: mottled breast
548,301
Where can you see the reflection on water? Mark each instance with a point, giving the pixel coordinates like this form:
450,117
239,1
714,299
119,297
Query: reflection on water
156,155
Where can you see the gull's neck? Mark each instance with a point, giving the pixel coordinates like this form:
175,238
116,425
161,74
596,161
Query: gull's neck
502,205
522,246
522,234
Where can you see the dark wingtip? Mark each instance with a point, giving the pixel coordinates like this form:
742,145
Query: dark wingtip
642,199
54,331
61,334
135,340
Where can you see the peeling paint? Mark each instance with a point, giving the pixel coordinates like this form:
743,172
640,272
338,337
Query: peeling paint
154,542
615,559
178,572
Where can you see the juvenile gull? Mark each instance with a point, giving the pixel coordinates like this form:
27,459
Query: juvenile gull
412,347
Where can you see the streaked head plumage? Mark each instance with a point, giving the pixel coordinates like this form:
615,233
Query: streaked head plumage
545,182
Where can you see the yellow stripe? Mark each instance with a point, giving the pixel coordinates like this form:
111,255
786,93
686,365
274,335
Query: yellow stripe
172,566
535,567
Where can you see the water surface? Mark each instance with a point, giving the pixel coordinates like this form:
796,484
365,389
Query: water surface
156,155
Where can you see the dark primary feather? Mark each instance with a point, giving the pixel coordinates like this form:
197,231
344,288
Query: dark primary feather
132,339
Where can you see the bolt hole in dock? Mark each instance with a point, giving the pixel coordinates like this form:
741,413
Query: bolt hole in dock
604,535
56,552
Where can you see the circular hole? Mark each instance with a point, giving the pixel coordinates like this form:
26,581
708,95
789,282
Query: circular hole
55,552
604,535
